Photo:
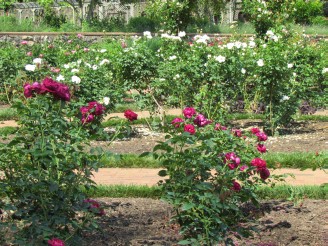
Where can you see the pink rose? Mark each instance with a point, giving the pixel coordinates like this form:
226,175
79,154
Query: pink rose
55,242
189,128
232,160
201,121
236,132
55,70
79,35
85,49
69,41
235,186
130,115
176,122
261,136
73,51
261,148
123,45
219,127
41,55
29,53
255,130
243,168
24,42
29,89
189,112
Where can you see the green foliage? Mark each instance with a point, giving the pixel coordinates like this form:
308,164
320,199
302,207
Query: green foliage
44,167
306,11
141,24
205,184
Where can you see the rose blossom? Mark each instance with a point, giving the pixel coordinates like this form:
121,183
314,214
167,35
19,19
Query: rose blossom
94,206
232,159
235,186
258,163
261,148
255,130
130,115
29,53
264,173
57,89
243,168
189,112
98,108
189,128
55,242
201,121
236,132
24,42
176,122
261,136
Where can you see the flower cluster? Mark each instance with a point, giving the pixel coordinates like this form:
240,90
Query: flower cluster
261,167
130,115
48,85
261,137
89,112
56,242
94,207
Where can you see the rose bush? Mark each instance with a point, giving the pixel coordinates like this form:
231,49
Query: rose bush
209,174
47,166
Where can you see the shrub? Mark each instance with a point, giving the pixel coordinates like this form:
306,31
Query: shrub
141,24
306,11
47,165
211,172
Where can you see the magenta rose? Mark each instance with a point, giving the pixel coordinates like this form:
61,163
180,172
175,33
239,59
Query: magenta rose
243,168
99,109
235,186
29,89
130,115
258,163
264,173
236,132
189,112
87,118
176,122
255,130
261,148
201,121
55,242
261,136
232,160
57,89
94,206
189,128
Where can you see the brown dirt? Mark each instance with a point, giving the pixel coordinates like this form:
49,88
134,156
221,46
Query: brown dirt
141,221
307,136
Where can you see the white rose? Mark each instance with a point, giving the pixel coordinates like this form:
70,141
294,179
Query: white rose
220,59
260,63
30,67
37,61
76,79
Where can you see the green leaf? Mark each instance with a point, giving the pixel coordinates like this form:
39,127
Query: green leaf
184,242
187,206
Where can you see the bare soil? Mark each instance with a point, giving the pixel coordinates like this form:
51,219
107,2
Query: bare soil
146,221
141,221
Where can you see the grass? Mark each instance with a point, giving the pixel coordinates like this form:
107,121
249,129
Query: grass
7,130
128,161
298,160
289,192
8,114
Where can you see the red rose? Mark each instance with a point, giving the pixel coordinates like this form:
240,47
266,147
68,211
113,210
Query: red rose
189,128
130,115
258,163
94,206
235,186
57,89
176,122
261,148
232,159
264,173
189,112
98,108
236,132
56,242
255,130
261,136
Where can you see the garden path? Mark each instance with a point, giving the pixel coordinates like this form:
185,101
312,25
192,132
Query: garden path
149,177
